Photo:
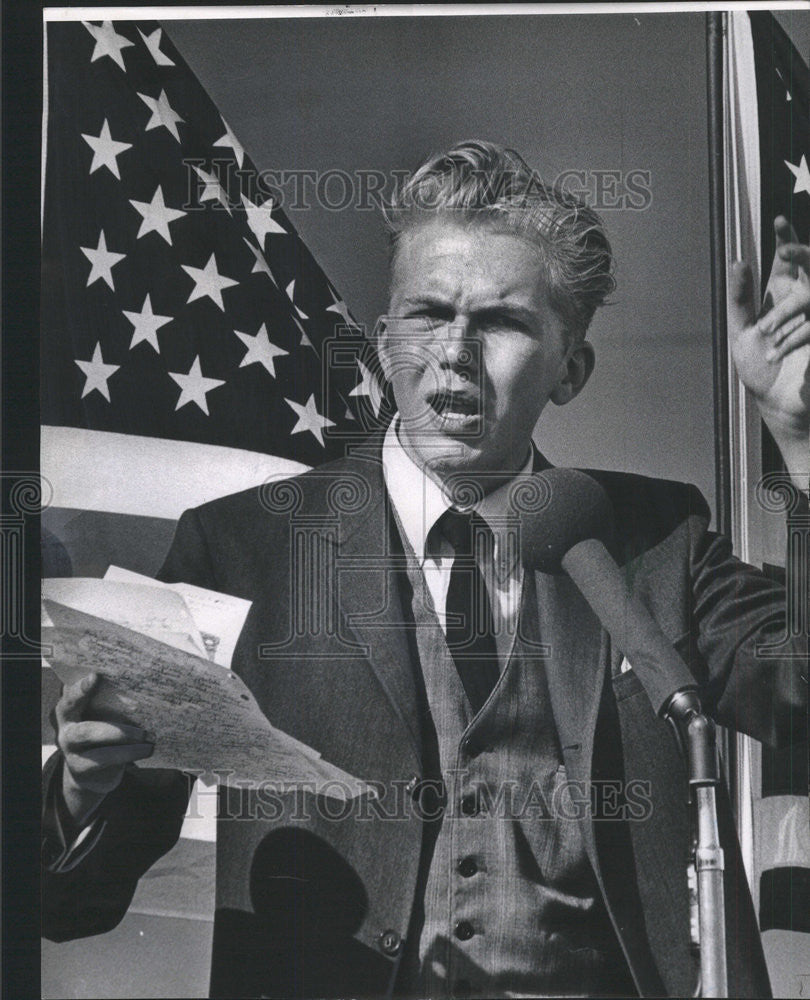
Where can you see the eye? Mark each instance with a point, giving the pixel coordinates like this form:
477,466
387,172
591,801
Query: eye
411,326
501,323
435,314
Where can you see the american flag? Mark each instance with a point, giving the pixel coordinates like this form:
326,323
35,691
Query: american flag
768,174
191,347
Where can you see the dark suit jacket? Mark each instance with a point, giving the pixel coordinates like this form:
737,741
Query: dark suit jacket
313,905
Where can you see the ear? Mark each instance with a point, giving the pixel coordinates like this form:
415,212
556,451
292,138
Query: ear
575,371
380,341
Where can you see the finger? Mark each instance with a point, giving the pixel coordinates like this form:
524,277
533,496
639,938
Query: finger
78,736
100,758
792,305
742,311
794,253
74,699
785,236
798,338
787,328
785,233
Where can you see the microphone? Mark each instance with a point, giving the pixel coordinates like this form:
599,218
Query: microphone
573,532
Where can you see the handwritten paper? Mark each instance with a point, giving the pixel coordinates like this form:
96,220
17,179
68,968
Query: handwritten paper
205,719
146,609
218,617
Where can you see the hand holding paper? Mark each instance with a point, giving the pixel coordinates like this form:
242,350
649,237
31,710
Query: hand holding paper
203,717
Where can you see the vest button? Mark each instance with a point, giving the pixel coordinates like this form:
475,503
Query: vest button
390,942
469,804
470,746
464,930
467,867
413,784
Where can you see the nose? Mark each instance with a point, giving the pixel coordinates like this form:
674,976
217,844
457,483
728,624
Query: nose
456,347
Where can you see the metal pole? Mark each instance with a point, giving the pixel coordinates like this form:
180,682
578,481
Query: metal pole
709,865
696,735
715,29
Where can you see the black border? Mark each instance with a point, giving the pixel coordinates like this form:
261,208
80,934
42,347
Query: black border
21,132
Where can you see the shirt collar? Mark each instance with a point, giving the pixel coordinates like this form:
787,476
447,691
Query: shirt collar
420,502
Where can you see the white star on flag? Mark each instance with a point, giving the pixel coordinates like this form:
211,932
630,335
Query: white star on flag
102,262
260,220
260,350
108,42
309,419
105,150
213,190
147,324
208,281
97,373
261,266
368,387
152,42
229,139
802,175
339,306
162,113
194,386
305,341
291,296
156,215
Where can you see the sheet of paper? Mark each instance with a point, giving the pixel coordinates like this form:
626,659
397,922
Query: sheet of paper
218,617
160,614
205,719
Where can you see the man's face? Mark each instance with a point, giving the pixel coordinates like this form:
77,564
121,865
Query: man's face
475,351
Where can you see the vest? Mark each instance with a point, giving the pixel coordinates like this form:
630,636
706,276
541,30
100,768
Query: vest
507,903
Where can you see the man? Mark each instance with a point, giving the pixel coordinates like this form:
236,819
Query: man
530,835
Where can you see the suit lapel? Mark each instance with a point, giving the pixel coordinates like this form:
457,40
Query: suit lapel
578,652
575,667
368,595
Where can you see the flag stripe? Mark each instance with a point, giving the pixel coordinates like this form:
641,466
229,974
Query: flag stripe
181,884
785,770
783,832
86,543
784,895
151,477
144,956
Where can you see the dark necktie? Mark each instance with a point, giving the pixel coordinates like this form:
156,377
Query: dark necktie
470,631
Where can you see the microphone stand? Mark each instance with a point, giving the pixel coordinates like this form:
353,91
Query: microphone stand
672,692
696,736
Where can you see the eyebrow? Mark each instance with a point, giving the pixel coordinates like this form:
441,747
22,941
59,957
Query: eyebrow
495,309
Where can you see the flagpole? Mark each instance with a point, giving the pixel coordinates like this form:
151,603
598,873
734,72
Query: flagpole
715,30
708,854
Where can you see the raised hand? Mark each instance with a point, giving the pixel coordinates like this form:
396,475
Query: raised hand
771,346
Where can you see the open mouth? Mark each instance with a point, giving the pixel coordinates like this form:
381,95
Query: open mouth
456,409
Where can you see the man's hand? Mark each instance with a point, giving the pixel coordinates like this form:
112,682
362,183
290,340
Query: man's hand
96,752
771,350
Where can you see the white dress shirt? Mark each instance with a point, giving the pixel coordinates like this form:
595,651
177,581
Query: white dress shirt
419,502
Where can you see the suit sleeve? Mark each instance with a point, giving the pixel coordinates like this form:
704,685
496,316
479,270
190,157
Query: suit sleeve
89,876
739,611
